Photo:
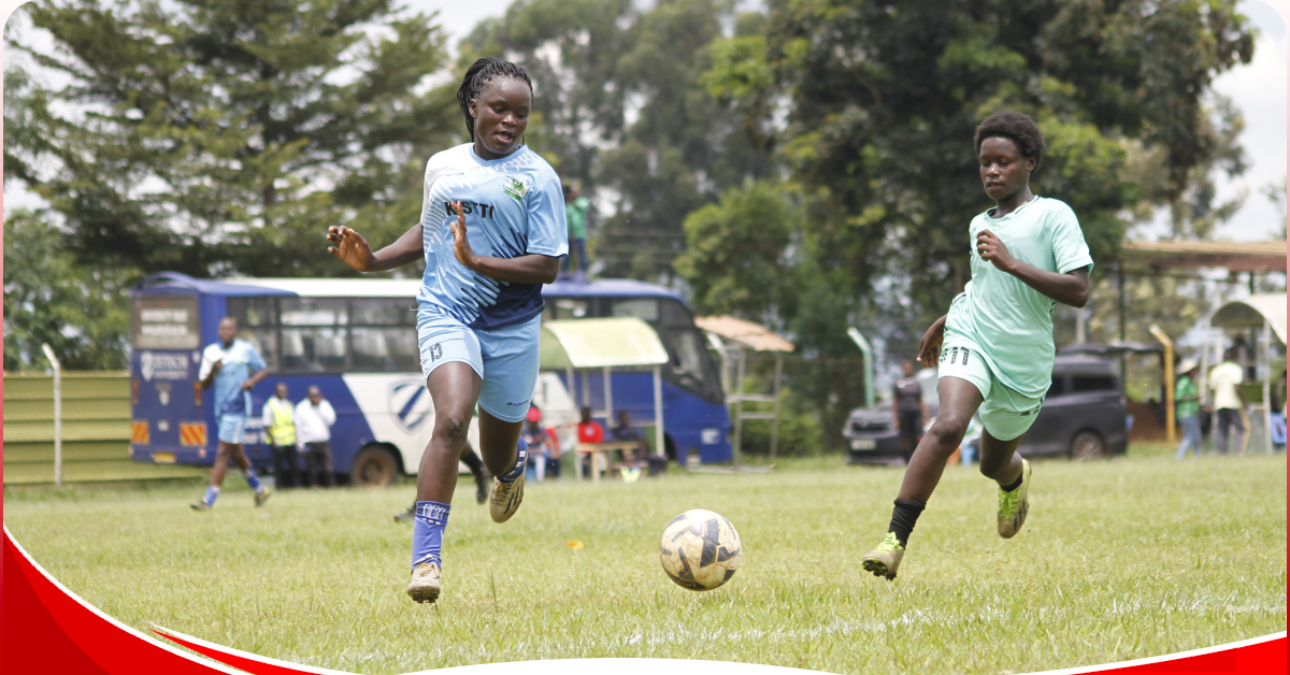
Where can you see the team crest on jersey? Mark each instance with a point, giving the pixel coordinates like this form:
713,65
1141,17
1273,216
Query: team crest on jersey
410,403
515,188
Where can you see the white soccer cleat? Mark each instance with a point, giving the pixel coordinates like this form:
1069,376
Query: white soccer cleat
427,582
505,499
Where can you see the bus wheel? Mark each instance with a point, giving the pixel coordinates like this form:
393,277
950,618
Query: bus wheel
374,466
1088,446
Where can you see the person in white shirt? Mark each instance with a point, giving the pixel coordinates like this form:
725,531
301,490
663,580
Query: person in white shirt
279,418
314,417
1229,403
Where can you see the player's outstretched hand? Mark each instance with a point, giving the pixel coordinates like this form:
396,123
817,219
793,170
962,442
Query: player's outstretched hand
460,243
350,247
992,248
929,348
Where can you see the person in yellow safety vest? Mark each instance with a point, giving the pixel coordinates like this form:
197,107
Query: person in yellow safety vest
280,433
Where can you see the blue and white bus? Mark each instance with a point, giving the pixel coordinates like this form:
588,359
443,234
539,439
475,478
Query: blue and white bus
356,340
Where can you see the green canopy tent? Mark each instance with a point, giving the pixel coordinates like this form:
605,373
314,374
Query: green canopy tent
604,344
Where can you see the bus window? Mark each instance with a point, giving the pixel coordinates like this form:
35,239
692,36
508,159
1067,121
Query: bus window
257,323
381,350
165,322
384,312
688,362
313,334
645,309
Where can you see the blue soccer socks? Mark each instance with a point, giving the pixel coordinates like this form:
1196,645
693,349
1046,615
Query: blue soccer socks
212,493
521,461
252,480
427,532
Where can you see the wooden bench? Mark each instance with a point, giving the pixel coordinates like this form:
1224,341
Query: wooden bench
601,455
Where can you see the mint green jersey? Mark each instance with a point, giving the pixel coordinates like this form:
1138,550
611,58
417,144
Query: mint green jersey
1010,322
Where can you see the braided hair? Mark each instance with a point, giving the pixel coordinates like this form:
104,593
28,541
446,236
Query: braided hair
478,74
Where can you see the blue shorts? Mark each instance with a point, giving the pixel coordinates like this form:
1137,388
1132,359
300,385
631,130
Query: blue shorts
231,428
505,359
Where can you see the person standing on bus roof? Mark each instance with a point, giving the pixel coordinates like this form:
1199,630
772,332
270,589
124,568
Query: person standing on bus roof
233,367
492,231
279,418
314,417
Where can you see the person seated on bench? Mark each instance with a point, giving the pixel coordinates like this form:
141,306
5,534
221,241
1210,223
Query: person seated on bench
589,431
633,460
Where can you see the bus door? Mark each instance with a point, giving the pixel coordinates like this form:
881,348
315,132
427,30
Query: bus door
168,421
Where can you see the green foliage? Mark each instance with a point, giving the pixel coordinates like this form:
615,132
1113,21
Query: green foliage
626,108
50,298
735,252
211,138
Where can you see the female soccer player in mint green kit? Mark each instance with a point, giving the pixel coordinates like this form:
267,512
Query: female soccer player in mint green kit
492,231
995,346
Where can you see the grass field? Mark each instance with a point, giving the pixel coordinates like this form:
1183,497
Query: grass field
1124,559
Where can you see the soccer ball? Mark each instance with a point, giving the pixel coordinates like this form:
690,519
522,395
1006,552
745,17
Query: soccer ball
700,550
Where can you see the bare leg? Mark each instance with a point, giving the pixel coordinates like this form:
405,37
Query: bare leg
498,441
224,452
959,401
999,459
454,388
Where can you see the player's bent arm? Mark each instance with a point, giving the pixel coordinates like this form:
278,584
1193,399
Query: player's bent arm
353,249
533,268
929,348
256,378
1070,288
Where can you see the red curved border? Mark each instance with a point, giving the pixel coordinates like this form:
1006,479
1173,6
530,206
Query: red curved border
48,629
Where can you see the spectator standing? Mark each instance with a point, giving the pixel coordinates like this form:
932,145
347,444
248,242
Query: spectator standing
314,417
1187,400
575,208
279,418
1229,403
908,409
233,368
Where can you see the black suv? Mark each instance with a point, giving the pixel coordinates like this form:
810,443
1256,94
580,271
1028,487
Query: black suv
1083,417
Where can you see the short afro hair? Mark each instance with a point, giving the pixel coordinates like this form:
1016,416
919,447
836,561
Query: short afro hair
1016,127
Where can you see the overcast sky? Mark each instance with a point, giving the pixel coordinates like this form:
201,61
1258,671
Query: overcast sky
1258,89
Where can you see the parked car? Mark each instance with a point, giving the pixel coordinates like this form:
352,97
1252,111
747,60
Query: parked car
1083,417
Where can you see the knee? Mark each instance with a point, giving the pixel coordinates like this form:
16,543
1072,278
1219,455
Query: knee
453,428
948,430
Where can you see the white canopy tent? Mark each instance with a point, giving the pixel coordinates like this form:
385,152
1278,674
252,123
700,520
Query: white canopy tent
604,344
1265,313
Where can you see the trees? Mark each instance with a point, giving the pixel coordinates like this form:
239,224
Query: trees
213,137
625,108
50,298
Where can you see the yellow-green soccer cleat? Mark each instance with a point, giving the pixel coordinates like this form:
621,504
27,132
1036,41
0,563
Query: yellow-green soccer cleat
262,496
1014,505
885,560
426,583
505,499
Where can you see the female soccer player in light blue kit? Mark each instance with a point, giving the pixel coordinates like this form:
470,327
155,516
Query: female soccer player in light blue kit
492,231
995,346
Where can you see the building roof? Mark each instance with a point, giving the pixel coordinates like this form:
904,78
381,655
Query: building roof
746,333
1237,256
1252,311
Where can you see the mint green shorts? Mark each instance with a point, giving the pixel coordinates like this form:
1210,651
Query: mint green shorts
1005,413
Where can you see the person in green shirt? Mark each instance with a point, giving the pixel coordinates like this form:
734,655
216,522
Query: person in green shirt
1187,400
575,209
995,346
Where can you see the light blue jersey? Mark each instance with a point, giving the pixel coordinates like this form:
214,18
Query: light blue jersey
513,207
238,363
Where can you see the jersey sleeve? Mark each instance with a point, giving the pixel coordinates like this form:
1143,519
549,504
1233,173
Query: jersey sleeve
254,359
1070,251
548,231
